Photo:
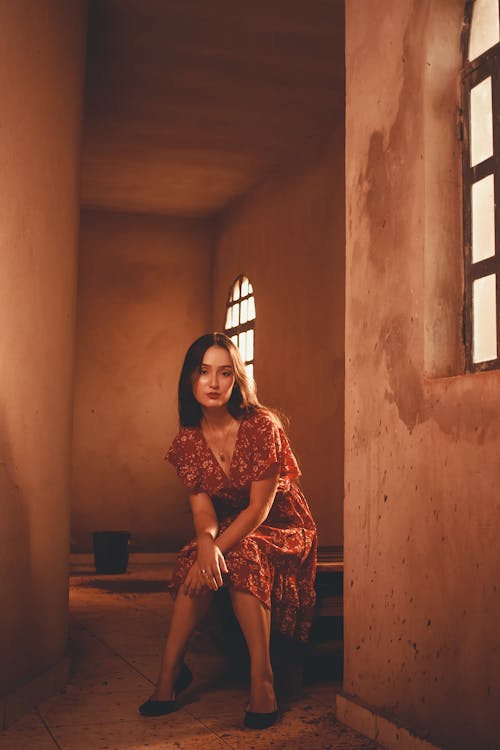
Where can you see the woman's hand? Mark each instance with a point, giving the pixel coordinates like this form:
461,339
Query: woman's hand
211,562
195,582
207,569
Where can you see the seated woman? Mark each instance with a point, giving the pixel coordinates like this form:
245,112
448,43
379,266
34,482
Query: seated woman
254,530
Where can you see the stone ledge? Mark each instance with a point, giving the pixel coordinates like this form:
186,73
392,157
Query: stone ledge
138,558
367,721
23,699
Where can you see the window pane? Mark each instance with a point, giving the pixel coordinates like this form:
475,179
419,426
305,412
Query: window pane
236,291
243,311
234,339
484,32
229,318
235,315
483,219
250,371
251,308
250,344
242,345
481,122
484,309
244,286
250,288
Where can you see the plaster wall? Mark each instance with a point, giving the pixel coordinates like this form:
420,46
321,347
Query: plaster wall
41,82
143,296
288,237
422,509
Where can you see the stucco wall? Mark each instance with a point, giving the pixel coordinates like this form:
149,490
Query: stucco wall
41,71
422,509
288,237
143,296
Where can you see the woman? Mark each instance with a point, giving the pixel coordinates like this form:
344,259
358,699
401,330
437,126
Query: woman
254,531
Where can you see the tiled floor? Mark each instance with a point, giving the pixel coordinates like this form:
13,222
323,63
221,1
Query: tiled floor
117,629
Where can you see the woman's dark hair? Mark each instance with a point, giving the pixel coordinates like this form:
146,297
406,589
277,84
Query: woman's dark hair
244,395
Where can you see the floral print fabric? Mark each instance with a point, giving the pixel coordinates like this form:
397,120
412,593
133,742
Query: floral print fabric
276,562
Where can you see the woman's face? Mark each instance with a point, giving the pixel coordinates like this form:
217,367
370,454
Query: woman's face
213,385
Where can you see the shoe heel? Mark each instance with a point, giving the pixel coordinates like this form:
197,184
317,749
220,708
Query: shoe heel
184,679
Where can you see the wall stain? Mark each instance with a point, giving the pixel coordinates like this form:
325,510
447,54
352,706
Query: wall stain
459,412
407,391
379,185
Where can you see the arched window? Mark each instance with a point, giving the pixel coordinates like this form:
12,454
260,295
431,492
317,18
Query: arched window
481,182
240,319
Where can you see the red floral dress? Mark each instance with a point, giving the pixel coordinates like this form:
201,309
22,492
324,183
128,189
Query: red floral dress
276,562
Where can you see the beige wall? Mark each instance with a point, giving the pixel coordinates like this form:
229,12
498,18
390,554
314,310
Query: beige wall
143,296
41,71
422,600
288,238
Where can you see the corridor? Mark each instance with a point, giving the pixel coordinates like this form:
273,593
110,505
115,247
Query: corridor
117,626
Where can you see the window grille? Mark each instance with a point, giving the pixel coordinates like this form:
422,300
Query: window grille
240,319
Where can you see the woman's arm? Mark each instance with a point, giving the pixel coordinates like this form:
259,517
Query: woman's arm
209,558
262,494
204,516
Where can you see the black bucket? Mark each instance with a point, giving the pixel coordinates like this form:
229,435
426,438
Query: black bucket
110,551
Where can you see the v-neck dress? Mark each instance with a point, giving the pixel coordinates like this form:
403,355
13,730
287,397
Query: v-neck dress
277,562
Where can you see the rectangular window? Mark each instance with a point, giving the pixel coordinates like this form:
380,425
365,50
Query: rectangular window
481,183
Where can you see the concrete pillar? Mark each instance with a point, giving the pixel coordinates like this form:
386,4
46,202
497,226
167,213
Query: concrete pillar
421,596
41,83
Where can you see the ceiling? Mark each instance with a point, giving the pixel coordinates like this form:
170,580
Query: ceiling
190,103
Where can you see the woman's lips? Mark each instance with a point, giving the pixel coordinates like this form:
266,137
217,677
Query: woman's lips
213,395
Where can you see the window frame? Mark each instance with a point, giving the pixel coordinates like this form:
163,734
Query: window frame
249,325
472,73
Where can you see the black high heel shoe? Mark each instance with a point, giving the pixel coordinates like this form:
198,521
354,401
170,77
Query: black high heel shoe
255,720
162,708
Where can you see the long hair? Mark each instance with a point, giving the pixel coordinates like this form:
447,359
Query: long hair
243,398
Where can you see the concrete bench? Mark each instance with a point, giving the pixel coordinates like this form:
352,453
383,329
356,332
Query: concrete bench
329,582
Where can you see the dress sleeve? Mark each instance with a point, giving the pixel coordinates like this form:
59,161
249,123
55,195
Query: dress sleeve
182,455
271,446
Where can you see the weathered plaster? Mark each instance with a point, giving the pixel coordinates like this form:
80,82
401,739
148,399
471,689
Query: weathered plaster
422,467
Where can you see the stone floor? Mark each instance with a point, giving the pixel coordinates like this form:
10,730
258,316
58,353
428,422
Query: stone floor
117,629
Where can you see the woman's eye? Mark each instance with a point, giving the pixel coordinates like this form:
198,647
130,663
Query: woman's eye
227,373
203,371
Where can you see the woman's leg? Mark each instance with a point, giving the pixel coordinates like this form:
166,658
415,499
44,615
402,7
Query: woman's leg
188,612
255,622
